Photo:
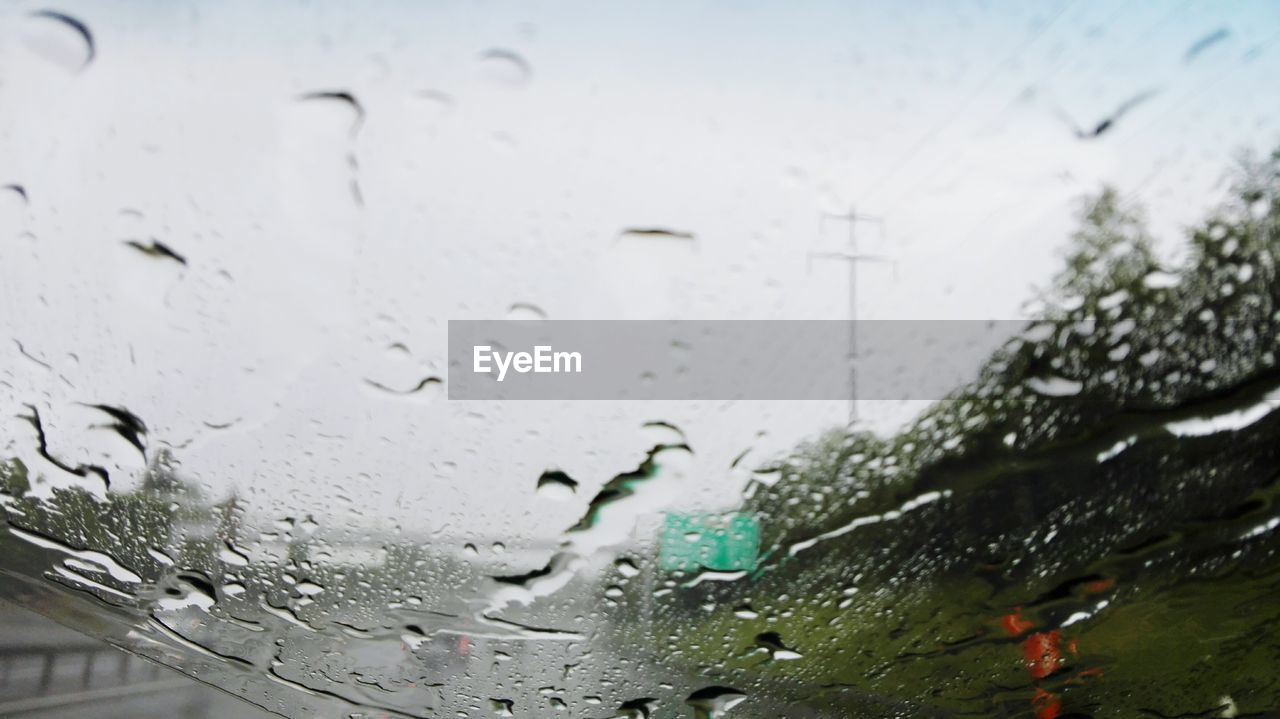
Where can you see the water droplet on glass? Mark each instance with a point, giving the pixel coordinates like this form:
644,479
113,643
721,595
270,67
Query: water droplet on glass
556,485
1161,280
525,311
627,568
60,38
504,68
308,589
712,702
657,234
232,556
1055,386
772,643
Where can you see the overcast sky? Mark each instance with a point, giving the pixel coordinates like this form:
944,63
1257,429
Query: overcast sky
499,152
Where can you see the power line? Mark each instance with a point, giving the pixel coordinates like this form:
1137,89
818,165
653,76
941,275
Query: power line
1004,111
950,117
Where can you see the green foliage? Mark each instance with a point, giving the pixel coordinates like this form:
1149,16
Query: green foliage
1044,495
13,478
1110,251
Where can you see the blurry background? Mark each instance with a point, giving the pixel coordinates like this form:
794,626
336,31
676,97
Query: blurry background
249,225
47,670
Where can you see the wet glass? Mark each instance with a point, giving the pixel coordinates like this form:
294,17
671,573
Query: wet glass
233,235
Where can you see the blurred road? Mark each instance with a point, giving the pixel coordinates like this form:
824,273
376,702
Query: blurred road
47,671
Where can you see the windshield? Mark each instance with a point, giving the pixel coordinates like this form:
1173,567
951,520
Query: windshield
675,360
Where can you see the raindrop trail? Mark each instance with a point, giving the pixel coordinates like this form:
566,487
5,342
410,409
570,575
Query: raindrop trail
660,233
421,385
1110,121
127,424
23,351
42,448
349,99
1204,43
344,97
157,249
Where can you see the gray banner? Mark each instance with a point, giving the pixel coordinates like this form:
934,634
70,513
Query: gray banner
718,360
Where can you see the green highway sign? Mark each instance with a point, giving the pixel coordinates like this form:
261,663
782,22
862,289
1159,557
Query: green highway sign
723,542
